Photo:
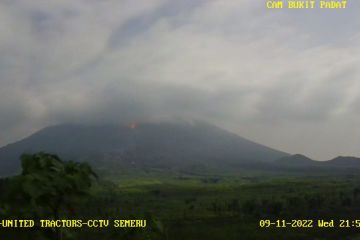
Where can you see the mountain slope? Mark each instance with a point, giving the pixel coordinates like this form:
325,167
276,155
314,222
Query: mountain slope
166,145
297,160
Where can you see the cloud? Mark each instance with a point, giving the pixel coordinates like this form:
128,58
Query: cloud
259,72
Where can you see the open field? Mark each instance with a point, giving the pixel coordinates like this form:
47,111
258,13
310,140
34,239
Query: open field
218,207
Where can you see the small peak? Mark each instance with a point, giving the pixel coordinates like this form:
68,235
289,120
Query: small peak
298,155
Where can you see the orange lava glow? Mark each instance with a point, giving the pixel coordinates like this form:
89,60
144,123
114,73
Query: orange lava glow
133,125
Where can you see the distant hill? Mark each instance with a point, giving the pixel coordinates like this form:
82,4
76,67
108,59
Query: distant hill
300,162
341,161
158,145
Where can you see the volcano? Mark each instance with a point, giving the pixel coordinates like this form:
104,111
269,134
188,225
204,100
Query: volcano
145,145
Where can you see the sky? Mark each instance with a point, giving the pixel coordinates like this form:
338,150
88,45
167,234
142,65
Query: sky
285,78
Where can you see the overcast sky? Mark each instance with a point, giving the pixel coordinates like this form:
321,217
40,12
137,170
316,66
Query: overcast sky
289,79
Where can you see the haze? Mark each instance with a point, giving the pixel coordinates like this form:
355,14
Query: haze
288,79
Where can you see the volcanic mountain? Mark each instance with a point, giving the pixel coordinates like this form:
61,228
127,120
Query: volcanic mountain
154,145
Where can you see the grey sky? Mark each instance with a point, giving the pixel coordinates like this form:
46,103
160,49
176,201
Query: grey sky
285,78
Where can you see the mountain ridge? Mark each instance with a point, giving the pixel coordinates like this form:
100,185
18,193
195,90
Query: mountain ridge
164,144
178,146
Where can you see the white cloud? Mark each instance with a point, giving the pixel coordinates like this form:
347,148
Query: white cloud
232,62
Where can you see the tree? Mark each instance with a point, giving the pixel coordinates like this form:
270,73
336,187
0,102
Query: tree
47,186
50,182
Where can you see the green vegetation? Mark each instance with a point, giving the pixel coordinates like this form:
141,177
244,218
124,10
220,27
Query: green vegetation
47,188
218,207
188,206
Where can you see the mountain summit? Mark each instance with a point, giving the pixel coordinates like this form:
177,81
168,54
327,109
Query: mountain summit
164,145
